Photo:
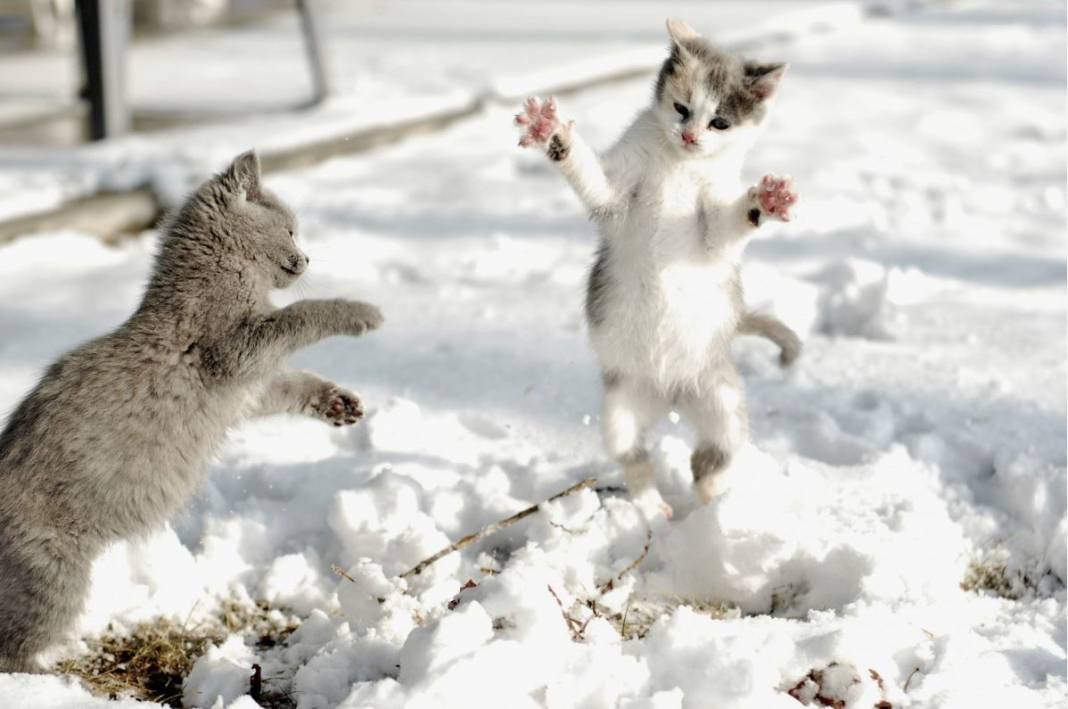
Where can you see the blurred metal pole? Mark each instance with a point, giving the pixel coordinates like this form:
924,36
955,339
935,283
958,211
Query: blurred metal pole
313,45
104,29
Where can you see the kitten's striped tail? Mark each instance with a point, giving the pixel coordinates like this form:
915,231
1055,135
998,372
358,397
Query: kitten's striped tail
776,331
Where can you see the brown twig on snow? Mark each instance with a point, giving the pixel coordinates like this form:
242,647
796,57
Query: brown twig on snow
491,529
456,599
611,583
909,678
341,572
573,624
623,625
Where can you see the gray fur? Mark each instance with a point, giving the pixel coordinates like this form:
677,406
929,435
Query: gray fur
776,331
115,437
610,379
708,460
737,80
597,285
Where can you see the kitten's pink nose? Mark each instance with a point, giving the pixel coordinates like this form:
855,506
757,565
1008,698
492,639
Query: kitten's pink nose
689,138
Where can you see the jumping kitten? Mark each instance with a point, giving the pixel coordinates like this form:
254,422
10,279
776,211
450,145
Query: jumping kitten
664,297
115,437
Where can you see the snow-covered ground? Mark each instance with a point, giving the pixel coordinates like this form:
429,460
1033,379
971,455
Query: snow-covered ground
921,434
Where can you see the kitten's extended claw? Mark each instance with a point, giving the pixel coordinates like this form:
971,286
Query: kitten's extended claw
339,407
774,196
542,127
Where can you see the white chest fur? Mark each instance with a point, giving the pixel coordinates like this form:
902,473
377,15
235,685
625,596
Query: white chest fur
672,305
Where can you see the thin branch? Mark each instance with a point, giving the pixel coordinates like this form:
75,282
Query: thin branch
341,572
572,623
611,583
582,630
570,531
492,529
908,680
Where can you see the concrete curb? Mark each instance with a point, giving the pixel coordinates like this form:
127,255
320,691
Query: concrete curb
110,215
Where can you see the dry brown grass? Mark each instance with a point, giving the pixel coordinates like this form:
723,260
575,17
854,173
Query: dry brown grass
152,660
640,615
992,576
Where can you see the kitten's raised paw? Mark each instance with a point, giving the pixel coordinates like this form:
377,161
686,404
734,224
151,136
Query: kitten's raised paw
362,317
542,127
774,196
372,318
339,407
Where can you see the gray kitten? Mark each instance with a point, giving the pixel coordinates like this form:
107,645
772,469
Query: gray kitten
115,437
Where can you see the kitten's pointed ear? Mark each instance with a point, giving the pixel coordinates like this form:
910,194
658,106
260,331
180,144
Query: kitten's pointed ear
244,172
764,79
679,31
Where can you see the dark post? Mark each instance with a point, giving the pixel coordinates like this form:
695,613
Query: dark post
104,28
309,24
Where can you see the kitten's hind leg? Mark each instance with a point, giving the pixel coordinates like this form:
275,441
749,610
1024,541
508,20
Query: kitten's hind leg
718,412
41,595
305,393
628,409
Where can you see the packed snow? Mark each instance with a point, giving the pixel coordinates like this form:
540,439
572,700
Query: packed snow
917,445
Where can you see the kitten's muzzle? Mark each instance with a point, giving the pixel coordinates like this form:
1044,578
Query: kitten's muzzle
296,265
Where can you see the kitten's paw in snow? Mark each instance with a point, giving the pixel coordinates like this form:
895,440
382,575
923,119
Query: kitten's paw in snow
338,406
542,127
773,197
709,487
653,507
708,464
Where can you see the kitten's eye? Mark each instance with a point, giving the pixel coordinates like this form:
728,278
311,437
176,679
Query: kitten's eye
683,111
719,123
290,233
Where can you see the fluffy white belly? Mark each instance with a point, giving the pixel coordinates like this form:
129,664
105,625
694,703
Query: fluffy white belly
670,325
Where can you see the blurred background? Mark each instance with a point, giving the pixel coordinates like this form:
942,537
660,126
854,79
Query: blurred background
306,78
167,62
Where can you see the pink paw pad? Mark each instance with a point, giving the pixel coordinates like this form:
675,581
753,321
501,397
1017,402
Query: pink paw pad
540,122
342,408
775,195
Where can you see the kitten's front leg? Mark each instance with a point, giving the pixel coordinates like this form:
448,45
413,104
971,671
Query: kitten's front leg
307,394
262,341
771,198
542,128
307,321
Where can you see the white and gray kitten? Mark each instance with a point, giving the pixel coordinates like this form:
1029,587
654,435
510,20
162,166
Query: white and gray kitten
115,437
664,298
